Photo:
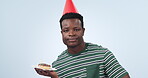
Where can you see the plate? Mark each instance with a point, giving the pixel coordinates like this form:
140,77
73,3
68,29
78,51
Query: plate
51,69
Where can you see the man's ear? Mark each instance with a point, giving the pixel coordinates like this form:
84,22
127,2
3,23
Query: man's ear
83,31
61,31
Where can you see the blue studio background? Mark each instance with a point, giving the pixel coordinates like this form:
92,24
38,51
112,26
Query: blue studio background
30,33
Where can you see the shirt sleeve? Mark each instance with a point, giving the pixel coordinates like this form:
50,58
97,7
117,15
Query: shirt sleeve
112,67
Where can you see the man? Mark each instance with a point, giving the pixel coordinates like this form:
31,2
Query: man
82,59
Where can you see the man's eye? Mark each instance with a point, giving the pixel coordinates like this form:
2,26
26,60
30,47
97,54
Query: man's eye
65,30
77,29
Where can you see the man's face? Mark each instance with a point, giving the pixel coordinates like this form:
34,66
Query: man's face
72,32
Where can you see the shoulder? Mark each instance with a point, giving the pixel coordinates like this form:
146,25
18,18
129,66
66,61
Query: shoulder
98,48
63,53
95,46
61,56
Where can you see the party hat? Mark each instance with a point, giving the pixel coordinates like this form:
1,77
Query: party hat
69,7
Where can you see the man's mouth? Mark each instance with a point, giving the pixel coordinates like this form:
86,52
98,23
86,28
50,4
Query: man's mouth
72,39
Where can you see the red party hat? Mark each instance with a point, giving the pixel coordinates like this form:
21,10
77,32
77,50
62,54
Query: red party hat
69,7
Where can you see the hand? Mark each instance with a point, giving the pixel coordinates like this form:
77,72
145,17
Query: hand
46,73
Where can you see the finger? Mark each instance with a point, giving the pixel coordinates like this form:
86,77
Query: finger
45,73
39,71
36,69
52,73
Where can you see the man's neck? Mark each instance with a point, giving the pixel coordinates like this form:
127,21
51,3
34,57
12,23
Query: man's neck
77,49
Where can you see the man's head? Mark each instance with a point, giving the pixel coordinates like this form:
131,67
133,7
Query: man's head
72,29
70,16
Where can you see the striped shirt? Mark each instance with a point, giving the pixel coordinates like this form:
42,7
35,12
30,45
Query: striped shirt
94,62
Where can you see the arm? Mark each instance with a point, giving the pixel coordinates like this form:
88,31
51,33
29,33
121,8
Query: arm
112,67
126,76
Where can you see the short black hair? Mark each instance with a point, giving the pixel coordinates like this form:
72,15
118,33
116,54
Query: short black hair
71,16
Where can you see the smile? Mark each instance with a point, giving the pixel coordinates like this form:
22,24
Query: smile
72,39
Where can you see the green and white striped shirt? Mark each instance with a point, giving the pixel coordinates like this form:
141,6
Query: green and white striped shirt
94,62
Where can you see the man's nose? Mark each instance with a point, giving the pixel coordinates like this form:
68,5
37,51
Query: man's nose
71,33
